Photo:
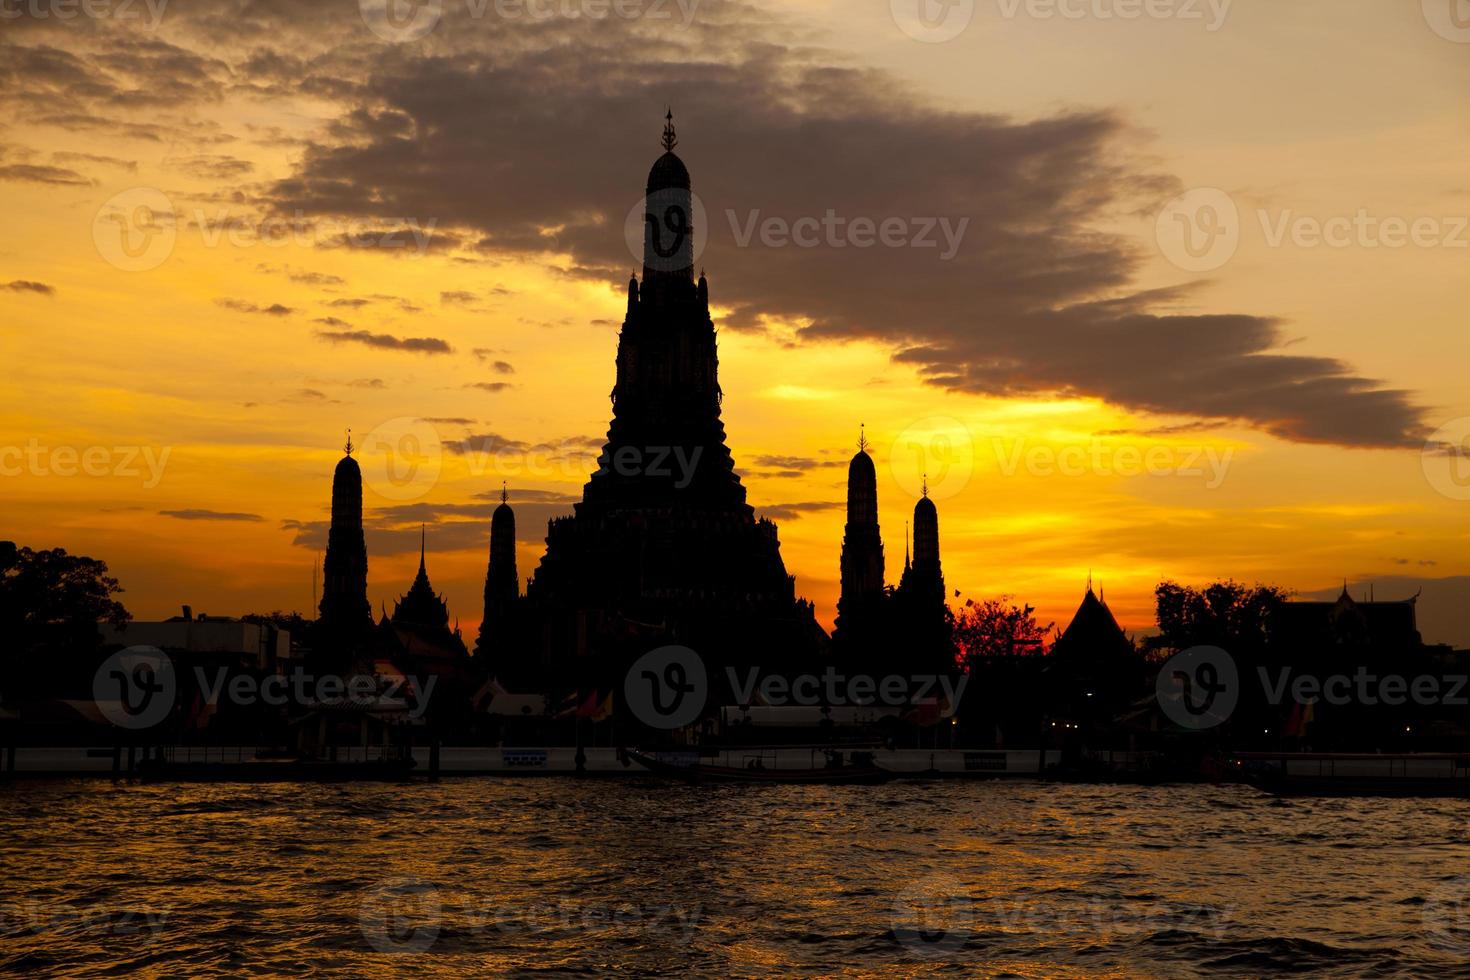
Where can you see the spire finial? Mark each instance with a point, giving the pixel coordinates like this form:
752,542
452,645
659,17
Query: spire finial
423,540
926,485
349,447
504,493
862,437
671,140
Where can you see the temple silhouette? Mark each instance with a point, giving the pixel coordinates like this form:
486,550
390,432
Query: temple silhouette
663,547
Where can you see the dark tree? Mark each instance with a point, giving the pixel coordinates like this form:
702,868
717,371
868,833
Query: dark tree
998,628
1236,617
51,602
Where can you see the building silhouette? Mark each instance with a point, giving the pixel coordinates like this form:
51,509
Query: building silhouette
860,607
663,545
344,615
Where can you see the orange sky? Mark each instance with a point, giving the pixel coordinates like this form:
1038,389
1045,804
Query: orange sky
176,405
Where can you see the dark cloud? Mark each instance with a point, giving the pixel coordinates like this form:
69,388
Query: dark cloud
495,387
458,297
333,321
66,156
1032,300
367,383
29,286
421,345
793,512
214,167
245,306
42,174
209,515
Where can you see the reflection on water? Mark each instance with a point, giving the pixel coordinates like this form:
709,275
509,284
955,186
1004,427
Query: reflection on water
636,877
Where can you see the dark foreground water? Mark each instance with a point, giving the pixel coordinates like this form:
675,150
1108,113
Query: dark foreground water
561,877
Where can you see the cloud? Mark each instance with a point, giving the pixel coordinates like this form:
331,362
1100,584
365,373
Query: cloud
244,306
503,367
457,296
332,321
215,167
209,515
1037,298
494,387
29,286
420,345
41,174
367,383
793,512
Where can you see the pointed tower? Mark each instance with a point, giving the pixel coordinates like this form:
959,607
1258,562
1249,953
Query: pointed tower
923,580
344,613
862,546
421,608
663,542
502,586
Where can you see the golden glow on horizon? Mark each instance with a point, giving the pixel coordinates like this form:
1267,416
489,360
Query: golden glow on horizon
243,410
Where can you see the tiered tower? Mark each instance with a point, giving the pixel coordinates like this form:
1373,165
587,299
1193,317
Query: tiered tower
862,548
663,543
344,614
502,587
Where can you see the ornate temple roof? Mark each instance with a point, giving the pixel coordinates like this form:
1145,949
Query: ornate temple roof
421,607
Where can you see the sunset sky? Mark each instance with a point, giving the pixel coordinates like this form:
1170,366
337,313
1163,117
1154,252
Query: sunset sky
235,229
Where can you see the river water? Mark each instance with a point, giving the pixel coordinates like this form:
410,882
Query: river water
633,877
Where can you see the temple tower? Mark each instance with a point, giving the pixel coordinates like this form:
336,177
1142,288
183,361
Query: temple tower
344,612
862,546
502,587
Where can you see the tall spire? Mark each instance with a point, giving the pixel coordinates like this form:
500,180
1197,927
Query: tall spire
926,485
671,138
862,437
349,447
504,492
423,541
